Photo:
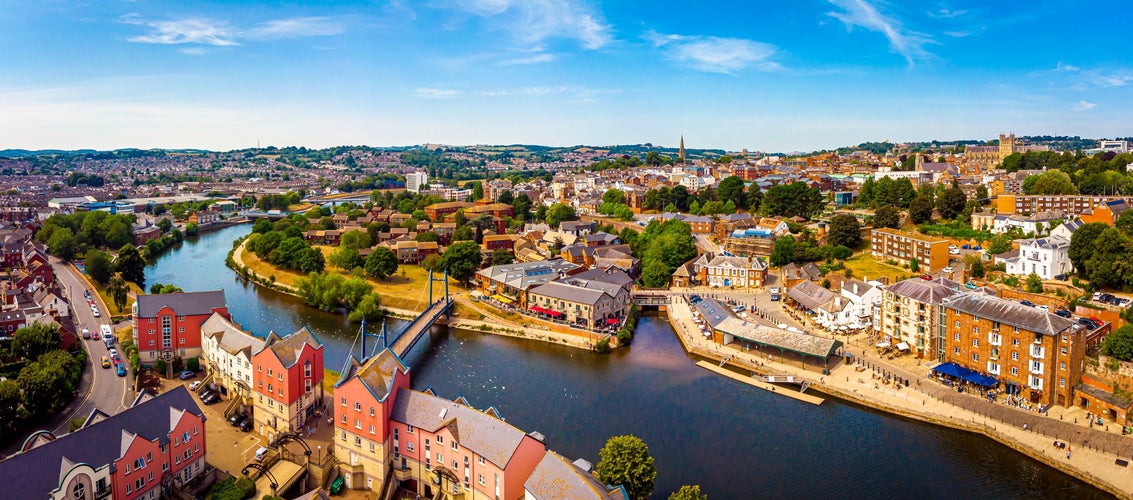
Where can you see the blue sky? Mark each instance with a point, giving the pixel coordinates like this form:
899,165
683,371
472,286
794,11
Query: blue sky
764,75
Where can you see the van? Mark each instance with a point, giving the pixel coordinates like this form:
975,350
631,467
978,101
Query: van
260,454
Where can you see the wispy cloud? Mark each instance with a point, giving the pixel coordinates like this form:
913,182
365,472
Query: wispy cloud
534,21
1112,78
204,31
1084,106
860,13
715,54
192,51
946,13
435,93
541,57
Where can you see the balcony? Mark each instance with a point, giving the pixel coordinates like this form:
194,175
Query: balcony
1038,352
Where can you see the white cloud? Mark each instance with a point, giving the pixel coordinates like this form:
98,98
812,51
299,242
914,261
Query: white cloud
297,27
1119,78
1084,106
1065,67
946,13
192,30
434,93
958,34
202,31
534,59
533,21
715,54
860,13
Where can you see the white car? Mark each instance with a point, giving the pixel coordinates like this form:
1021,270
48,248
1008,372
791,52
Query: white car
953,251
193,386
947,270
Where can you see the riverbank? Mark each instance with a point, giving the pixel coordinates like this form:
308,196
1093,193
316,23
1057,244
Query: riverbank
1033,438
463,307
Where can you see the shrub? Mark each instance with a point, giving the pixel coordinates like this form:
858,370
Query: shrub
159,367
193,364
603,346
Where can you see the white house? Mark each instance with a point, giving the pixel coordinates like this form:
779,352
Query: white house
864,300
227,355
1046,257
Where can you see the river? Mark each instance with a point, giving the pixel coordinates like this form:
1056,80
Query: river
734,440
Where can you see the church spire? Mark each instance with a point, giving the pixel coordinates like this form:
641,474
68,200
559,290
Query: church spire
681,152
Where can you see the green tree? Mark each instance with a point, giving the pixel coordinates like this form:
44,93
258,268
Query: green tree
732,189
999,243
381,263
369,308
355,239
1109,263
975,266
462,260
192,229
614,196
501,256
261,226
1034,283
118,290
688,492
920,209
131,265
887,216
31,342
477,191
99,266
346,258
914,265
62,243
1082,246
506,197
1049,182
1119,343
790,200
427,236
558,213
844,231
625,461
783,251
432,262
164,224
951,203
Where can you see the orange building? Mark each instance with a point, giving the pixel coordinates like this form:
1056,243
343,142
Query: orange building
1007,204
891,244
287,380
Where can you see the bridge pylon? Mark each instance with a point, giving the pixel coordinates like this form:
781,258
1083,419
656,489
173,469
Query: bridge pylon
443,280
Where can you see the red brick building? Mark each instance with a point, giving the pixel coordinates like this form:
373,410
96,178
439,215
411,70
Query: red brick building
287,380
169,324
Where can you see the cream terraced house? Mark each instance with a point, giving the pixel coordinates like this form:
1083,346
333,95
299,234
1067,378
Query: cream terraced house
720,270
228,353
908,314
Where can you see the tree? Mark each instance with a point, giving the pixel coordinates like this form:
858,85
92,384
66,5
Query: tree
31,342
981,192
164,224
346,258
262,225
1109,264
501,256
131,265
914,265
975,266
462,260
920,209
506,197
118,291
427,236
558,213
688,492
844,231
62,243
614,196
1034,283
732,189
99,266
887,216
355,239
625,461
477,191
1119,343
789,200
951,203
381,263
369,308
1049,182
432,262
192,229
783,251
1082,246
999,244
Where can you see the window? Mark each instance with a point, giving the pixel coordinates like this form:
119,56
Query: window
357,406
1063,350
440,440
185,437
1015,355
343,401
1062,365
371,411
164,466
454,444
371,446
480,479
975,342
260,368
957,337
975,357
357,441
357,424
957,326
79,492
372,430
344,420
955,350
1061,382
409,447
440,460
269,372
1014,341
409,429
480,460
1014,370
307,369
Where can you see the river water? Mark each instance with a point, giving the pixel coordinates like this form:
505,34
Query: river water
734,440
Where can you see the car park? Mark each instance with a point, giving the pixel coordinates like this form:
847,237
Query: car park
105,362
187,374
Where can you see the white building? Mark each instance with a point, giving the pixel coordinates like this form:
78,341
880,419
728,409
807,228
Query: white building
414,181
227,355
1046,257
864,301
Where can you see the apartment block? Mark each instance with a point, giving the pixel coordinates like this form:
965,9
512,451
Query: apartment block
890,244
1007,204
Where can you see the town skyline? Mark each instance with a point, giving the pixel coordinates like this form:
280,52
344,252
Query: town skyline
800,77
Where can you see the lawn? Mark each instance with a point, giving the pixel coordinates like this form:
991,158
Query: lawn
408,291
865,266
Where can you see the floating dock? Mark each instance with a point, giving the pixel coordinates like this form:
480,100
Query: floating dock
807,398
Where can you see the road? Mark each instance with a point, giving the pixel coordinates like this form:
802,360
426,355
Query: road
107,391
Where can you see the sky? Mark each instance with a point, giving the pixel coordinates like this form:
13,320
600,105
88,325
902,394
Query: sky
788,75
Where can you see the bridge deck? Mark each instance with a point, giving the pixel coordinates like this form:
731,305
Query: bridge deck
420,325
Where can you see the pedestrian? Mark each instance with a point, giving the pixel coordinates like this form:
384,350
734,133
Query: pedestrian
1068,454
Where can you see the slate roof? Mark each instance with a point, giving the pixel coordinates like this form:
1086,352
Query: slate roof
712,311
571,293
863,287
376,374
487,436
928,292
183,303
813,296
288,348
614,275
793,341
98,444
523,275
1010,313
230,337
555,478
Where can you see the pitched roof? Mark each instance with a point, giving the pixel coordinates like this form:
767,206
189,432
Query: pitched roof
230,337
487,436
813,296
522,275
928,292
97,444
183,303
557,479
376,373
568,292
1009,312
287,349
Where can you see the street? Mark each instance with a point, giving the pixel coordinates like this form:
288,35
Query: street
107,390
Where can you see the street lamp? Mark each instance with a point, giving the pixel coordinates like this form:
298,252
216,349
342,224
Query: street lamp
320,455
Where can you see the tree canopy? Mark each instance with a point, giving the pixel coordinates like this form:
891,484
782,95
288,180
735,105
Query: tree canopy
790,200
1049,182
887,216
920,209
1119,343
381,263
625,461
662,247
844,231
462,260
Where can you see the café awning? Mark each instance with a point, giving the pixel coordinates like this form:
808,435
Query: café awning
612,321
903,346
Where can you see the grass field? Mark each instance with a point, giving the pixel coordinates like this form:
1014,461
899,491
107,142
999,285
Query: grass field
398,291
865,266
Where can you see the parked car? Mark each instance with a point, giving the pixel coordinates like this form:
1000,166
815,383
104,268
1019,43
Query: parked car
1027,303
187,374
105,362
966,246
237,418
121,370
1043,308
947,270
86,334
1065,313
977,247
193,386
1097,296
954,251
1061,277
970,286
1124,302
1089,323
246,425
96,314
261,454
112,351
211,398
926,277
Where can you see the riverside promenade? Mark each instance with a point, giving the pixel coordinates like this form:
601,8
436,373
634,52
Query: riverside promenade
1092,455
